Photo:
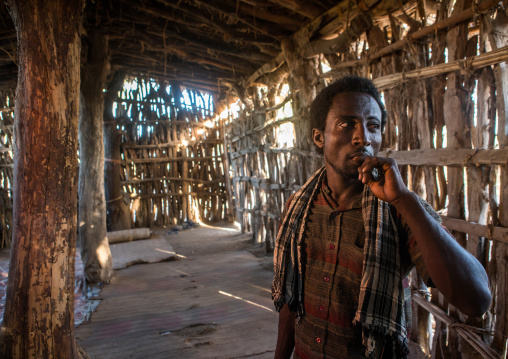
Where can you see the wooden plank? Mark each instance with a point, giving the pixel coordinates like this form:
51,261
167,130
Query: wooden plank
448,157
499,234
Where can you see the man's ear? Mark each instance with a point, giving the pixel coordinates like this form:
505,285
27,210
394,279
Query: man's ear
318,137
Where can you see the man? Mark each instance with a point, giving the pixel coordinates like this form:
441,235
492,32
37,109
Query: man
349,237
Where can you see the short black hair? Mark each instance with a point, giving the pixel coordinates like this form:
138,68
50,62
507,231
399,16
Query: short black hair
321,104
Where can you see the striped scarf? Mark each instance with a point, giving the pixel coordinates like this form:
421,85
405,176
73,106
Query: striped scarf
384,306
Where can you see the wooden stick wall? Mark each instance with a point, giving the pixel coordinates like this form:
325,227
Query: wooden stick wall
172,155
447,99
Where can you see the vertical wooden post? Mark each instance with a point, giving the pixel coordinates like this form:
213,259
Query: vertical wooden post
118,213
39,312
92,233
455,119
498,37
226,165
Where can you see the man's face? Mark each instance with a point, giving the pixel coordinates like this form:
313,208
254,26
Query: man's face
352,132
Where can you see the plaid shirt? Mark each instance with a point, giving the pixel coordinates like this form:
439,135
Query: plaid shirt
384,304
334,243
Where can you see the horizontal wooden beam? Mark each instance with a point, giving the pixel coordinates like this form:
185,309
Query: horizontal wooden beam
268,149
177,194
469,64
426,157
441,25
171,159
260,212
161,121
499,234
170,144
267,125
448,157
264,183
173,179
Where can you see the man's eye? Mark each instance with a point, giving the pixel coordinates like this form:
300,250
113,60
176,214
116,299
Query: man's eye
375,126
347,124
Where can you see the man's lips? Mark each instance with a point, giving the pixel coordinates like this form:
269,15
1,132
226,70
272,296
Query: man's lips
359,157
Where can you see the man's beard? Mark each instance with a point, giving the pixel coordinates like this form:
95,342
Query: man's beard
351,174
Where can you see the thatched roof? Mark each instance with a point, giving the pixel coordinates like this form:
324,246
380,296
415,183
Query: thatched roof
213,45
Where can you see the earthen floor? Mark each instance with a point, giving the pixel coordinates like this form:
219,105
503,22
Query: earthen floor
213,302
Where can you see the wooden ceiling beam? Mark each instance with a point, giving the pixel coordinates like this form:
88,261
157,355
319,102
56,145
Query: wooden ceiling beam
229,32
244,54
192,83
289,22
304,8
259,26
358,26
188,37
185,55
170,67
201,54
125,57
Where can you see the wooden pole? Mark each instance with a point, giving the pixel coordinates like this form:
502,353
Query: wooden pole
118,213
39,312
92,237
498,36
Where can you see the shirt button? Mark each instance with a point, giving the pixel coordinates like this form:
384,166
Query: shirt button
318,340
332,246
321,308
326,279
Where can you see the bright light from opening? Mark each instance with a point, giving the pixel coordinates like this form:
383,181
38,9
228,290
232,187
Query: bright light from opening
246,301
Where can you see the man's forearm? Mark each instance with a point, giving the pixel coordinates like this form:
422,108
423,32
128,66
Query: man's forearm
286,334
454,271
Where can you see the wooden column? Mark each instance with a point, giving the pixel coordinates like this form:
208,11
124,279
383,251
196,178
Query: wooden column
456,119
118,213
93,240
39,312
498,37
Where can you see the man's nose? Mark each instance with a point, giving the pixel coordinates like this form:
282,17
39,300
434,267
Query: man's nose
361,135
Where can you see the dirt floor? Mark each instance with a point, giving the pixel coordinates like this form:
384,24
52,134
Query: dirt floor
213,302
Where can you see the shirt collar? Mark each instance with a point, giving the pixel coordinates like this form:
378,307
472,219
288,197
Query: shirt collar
328,196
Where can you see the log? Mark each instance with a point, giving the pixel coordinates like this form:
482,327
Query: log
128,235
92,202
39,313
118,213
498,36
457,134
